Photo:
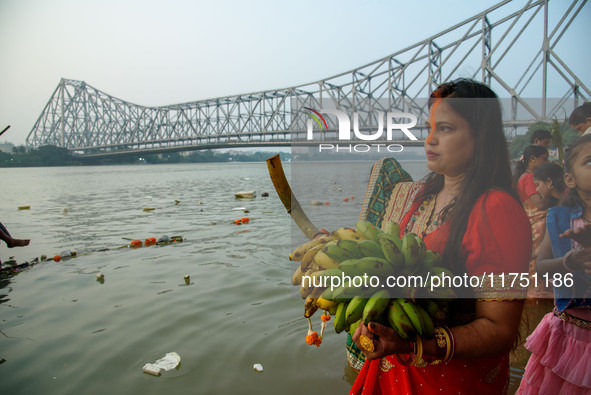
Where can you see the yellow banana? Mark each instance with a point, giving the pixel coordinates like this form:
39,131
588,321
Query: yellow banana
299,252
348,234
324,261
310,306
325,304
308,258
307,287
296,278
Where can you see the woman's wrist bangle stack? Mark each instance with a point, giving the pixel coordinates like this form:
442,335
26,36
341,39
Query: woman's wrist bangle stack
445,347
415,357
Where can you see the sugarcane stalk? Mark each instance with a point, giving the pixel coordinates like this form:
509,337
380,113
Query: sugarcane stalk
288,198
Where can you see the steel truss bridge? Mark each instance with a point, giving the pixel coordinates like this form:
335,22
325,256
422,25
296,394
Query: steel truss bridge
513,47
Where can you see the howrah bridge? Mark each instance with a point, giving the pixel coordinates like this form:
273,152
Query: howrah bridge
516,47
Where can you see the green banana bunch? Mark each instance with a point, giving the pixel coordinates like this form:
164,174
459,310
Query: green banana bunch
421,321
340,321
422,248
336,252
353,326
391,250
374,266
349,267
392,228
351,248
355,308
399,320
371,248
375,306
370,251
410,249
368,230
431,259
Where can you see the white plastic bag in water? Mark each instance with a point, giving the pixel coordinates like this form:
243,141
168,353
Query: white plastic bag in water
170,361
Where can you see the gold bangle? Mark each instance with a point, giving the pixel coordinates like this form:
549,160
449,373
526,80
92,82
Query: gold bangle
418,357
451,344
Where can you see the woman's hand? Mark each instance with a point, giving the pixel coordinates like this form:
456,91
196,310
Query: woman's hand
581,235
385,341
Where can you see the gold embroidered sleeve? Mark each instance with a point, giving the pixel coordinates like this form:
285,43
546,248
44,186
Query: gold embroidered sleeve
506,286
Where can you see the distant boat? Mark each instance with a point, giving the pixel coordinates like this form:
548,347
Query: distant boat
245,194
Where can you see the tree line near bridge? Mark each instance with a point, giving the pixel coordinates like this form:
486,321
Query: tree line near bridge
56,156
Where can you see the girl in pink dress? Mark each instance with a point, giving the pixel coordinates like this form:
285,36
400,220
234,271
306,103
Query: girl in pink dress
561,344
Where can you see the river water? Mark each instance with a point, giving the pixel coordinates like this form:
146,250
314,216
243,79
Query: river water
64,332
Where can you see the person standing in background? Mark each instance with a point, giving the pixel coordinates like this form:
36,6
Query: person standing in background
580,119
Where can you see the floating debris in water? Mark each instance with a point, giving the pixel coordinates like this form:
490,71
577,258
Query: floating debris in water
170,361
257,367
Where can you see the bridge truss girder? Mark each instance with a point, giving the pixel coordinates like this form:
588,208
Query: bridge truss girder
84,119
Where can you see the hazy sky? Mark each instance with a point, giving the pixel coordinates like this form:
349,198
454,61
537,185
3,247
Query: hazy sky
164,52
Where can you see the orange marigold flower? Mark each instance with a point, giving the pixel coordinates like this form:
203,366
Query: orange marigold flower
312,338
325,317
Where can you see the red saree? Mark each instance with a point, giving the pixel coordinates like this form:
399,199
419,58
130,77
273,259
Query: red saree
497,241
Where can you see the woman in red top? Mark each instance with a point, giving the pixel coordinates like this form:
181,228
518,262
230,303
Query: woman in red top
467,210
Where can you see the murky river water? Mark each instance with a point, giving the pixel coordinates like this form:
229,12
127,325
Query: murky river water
63,332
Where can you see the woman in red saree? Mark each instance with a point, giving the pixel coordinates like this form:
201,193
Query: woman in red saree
467,210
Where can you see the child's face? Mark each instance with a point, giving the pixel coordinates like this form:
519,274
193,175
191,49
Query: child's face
583,126
543,187
536,162
580,175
